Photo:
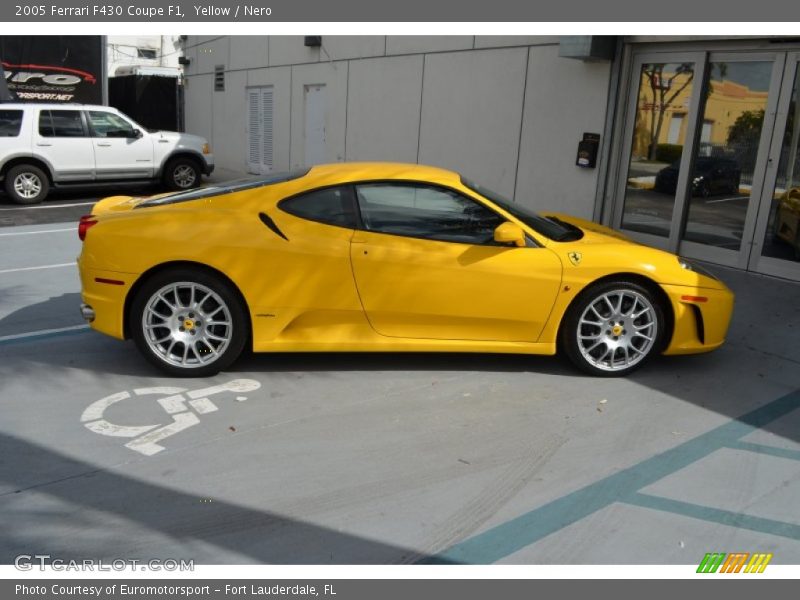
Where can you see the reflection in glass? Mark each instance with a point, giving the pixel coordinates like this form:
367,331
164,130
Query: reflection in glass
722,173
782,239
658,139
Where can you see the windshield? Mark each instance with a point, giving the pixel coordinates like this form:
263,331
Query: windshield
550,227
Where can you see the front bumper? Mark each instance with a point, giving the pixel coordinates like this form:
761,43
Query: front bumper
702,316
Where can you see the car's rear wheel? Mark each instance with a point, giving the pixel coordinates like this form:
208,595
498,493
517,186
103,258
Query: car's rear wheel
182,173
188,322
613,328
26,184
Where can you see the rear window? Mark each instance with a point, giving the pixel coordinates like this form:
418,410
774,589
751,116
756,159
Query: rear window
238,185
10,123
332,206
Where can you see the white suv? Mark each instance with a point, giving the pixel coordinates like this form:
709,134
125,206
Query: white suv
61,145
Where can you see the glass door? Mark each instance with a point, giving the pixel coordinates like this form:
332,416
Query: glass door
711,158
661,125
776,246
728,162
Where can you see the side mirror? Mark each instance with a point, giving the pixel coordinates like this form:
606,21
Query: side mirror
509,233
136,134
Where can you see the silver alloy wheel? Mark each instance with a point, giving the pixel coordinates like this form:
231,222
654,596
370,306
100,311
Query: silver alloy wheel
27,185
184,176
617,330
187,324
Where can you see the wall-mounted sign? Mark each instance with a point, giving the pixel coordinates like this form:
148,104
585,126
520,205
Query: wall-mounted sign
587,151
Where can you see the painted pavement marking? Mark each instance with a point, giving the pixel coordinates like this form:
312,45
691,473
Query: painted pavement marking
174,401
624,487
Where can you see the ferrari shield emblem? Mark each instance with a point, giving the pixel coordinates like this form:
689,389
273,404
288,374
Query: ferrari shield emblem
574,257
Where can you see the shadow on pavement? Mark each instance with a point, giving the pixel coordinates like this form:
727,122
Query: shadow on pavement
76,491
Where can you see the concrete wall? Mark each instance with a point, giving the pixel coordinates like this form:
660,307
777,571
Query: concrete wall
507,111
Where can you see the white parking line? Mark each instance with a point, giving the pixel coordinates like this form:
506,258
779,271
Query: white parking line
41,332
37,232
58,266
40,206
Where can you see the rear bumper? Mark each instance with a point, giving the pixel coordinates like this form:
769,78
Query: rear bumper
104,292
702,316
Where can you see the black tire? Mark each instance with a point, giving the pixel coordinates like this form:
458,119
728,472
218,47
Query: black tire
236,312
631,341
20,175
182,173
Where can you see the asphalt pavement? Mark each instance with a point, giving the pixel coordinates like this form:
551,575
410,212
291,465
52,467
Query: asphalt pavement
380,458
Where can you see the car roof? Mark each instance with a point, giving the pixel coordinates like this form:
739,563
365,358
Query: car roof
329,174
318,176
51,105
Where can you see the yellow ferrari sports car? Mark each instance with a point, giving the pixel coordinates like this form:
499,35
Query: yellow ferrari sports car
375,257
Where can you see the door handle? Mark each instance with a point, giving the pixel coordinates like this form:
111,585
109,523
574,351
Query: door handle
104,144
43,144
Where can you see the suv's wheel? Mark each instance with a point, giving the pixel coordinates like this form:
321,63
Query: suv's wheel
613,328
26,184
188,322
182,173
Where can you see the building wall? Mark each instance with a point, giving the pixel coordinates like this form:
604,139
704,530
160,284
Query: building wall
506,111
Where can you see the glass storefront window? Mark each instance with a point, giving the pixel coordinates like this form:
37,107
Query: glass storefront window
664,93
734,104
782,238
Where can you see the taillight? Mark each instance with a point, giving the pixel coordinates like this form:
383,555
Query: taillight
84,224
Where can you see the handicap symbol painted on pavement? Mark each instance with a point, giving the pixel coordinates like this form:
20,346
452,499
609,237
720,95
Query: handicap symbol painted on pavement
173,400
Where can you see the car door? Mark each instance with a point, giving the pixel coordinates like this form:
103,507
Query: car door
301,278
62,139
121,150
426,266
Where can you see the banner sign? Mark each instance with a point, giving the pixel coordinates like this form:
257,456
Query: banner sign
53,68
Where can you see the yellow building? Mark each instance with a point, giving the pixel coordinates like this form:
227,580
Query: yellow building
664,104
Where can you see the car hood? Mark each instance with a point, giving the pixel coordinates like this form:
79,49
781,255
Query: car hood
184,138
594,233
602,250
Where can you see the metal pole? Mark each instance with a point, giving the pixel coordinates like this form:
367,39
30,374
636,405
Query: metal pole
5,94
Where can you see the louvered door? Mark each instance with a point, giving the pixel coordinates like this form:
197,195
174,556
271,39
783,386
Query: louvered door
259,129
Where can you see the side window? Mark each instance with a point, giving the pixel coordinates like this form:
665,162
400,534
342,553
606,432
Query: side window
107,125
61,123
332,206
426,212
10,123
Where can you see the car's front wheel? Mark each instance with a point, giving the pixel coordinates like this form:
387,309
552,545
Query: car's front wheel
613,328
27,184
182,173
188,322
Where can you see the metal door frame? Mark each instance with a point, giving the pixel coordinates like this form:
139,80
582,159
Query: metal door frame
786,64
778,267
639,59
738,258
